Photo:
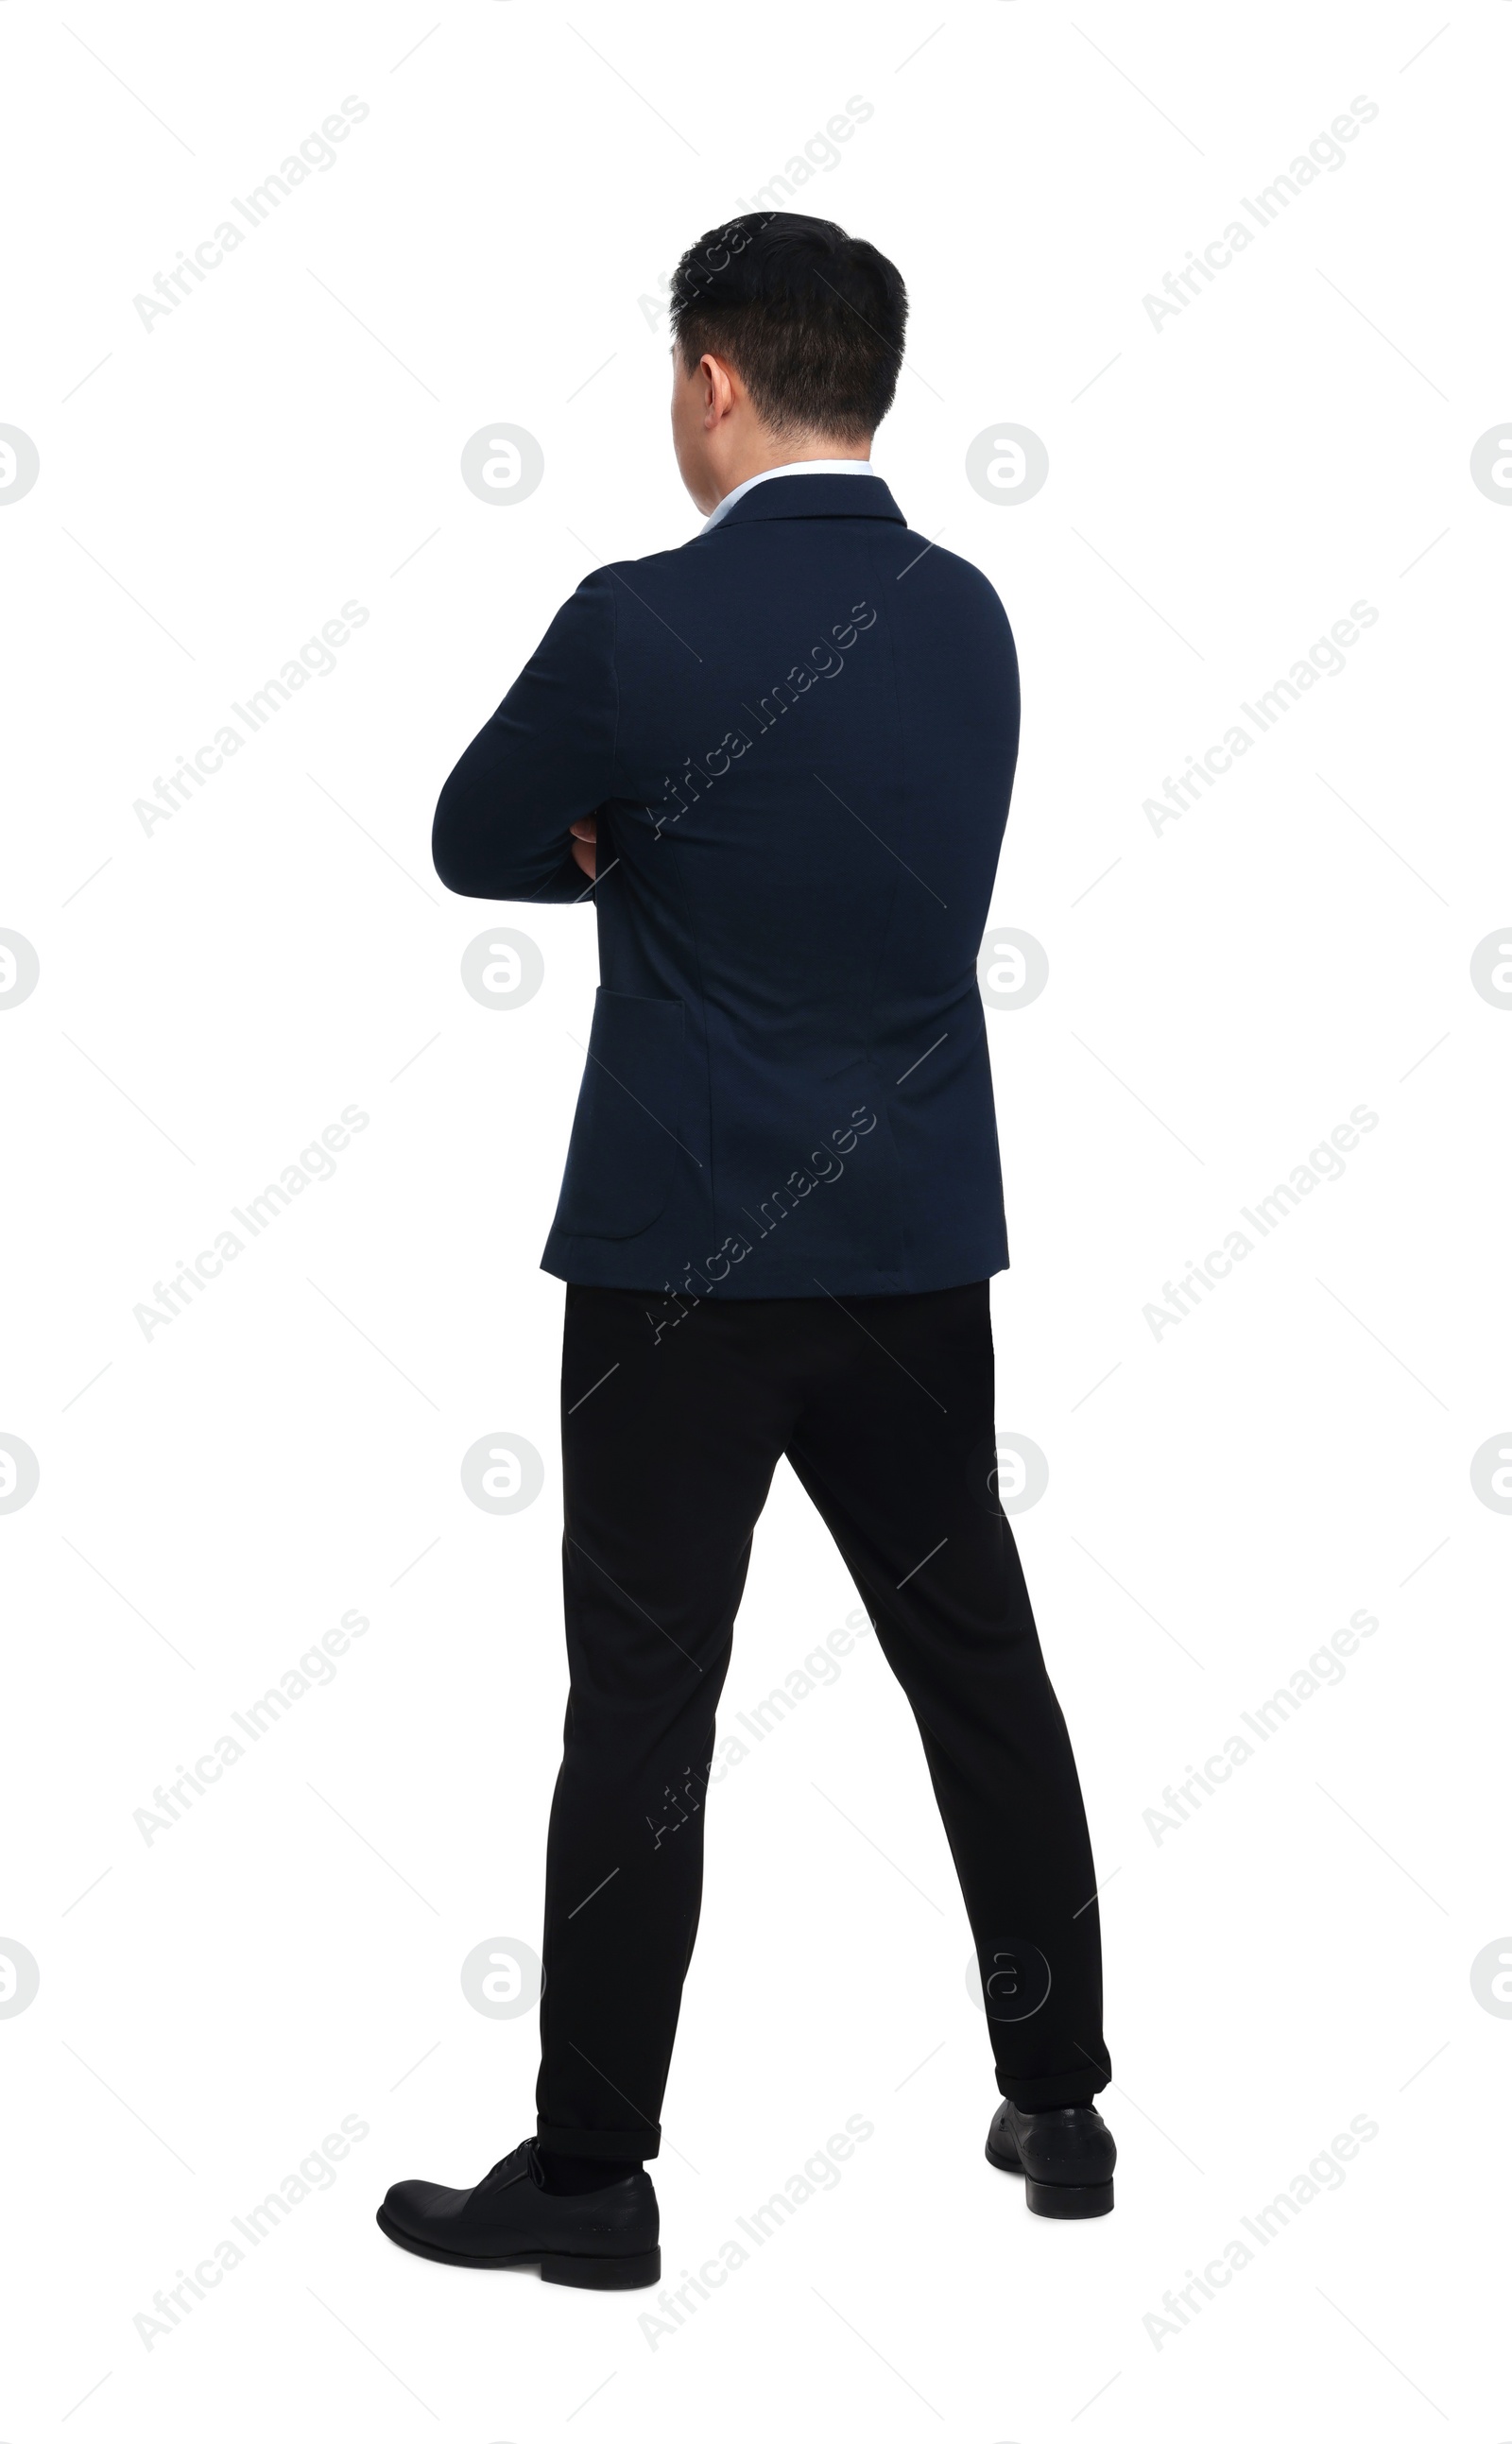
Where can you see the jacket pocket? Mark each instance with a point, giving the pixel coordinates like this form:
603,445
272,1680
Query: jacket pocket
624,1137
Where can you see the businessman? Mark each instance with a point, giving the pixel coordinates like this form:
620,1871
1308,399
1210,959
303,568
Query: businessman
778,761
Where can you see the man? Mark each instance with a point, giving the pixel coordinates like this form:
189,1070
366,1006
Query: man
778,760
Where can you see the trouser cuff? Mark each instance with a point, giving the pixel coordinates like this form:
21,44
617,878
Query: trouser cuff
642,2143
1063,2087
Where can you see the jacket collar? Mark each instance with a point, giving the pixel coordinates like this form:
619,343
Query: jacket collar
814,496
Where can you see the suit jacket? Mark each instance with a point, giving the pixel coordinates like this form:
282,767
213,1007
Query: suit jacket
798,733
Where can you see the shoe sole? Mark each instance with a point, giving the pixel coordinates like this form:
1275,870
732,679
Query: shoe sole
1062,2201
633,2273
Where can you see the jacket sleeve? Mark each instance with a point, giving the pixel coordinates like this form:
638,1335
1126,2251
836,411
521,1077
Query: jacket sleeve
545,759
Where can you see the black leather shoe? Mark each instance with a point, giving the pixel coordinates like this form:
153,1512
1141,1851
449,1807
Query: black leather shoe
602,2240
1066,2157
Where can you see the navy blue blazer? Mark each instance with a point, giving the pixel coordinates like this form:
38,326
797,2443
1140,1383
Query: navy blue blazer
798,733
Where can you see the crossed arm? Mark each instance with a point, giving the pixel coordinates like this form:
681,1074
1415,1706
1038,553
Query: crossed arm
518,816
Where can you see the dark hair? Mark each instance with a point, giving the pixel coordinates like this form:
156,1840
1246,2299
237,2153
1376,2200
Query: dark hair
811,320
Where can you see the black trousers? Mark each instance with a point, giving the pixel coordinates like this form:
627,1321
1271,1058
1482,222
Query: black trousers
675,1415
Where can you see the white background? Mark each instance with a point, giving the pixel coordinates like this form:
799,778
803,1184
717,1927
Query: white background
214,992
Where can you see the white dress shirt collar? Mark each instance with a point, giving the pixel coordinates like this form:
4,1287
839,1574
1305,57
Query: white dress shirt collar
797,467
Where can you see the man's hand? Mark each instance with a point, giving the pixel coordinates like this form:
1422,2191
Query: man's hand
584,834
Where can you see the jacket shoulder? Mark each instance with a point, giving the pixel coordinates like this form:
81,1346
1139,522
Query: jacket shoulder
651,565
947,574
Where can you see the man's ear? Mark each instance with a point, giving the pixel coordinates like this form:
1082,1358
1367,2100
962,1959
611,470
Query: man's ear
719,391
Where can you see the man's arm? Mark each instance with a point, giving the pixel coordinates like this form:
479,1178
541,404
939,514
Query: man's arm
543,763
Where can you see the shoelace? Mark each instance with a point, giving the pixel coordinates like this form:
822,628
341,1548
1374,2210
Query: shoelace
508,2168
